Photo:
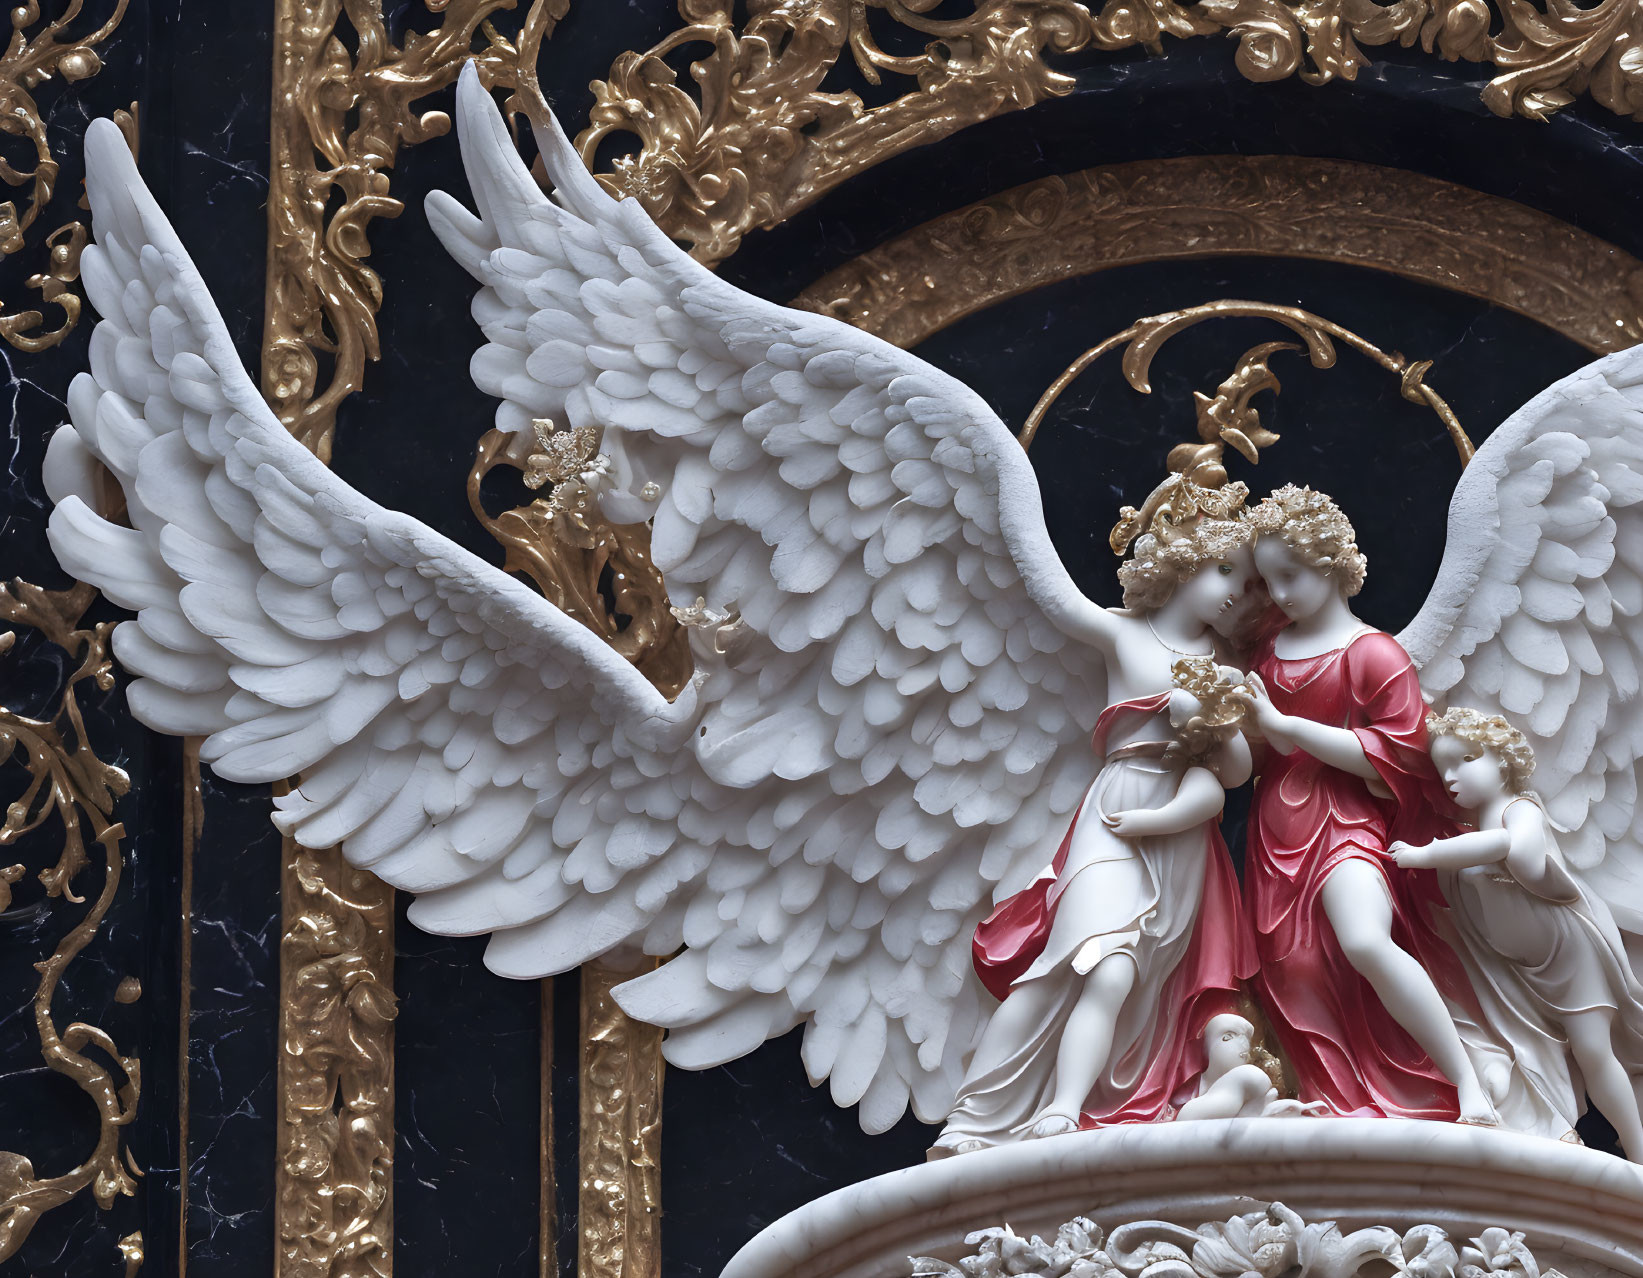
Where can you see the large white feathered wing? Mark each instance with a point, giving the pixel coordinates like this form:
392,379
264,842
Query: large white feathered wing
1536,609
902,732
820,820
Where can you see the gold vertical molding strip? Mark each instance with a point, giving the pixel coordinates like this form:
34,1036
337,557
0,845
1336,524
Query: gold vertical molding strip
619,1197
337,122
547,1222
334,1174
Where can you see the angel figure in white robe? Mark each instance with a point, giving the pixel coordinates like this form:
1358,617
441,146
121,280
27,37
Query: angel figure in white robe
1111,962
1535,935
815,827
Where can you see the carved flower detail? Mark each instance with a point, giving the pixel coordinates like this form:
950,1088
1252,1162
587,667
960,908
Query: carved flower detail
1274,1243
1497,1253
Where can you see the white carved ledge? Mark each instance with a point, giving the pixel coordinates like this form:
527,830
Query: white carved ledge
1580,1212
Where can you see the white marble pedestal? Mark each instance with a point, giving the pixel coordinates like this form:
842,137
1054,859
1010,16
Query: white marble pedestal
1380,1181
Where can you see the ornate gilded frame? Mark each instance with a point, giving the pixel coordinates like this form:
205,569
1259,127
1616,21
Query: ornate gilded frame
759,140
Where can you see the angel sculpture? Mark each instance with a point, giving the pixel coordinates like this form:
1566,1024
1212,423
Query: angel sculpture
888,748
893,739
1351,968
1541,941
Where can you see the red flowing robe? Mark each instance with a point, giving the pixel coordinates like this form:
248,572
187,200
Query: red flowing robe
1308,818
1208,980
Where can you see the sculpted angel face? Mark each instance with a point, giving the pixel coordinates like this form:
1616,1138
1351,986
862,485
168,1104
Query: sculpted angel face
1306,550
1473,774
1298,588
1210,593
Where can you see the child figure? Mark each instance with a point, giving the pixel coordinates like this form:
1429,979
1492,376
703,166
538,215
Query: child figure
1516,900
1233,1085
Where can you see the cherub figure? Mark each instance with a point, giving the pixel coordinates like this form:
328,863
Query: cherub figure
1536,932
1352,973
1233,1085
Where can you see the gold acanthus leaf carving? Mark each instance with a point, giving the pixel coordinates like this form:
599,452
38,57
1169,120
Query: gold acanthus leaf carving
598,572
339,120
766,138
336,1069
619,1199
762,138
30,58
69,785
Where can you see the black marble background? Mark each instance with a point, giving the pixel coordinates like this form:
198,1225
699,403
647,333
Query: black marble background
746,1142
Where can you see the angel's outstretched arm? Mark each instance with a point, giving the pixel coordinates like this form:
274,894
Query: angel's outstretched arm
1461,852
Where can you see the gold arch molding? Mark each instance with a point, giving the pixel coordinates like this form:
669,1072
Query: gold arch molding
1418,227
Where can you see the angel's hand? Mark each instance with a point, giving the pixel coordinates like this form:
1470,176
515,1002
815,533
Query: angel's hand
1138,824
1412,856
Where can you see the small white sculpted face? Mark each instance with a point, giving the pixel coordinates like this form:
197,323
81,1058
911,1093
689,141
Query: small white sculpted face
1298,588
1472,774
1230,1042
1218,584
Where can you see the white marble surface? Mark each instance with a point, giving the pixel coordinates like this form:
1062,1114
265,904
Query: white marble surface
1581,1210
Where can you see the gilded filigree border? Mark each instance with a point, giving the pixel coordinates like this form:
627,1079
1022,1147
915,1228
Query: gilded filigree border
1418,227
68,785
761,138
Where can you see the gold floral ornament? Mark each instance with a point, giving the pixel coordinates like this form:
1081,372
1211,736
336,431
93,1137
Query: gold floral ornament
1197,471
766,139
1220,711
598,572
69,785
762,139
569,462
31,58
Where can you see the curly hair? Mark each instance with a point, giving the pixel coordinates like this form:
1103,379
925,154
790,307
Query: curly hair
1495,734
1158,565
1317,530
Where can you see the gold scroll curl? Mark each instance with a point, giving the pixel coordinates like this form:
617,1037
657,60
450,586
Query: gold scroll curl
339,119
70,785
38,50
763,136
1407,224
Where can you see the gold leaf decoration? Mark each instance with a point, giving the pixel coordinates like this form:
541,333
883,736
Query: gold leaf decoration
339,121
70,786
336,1069
763,138
31,57
598,572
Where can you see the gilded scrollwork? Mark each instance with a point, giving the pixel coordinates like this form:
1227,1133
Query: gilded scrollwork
70,786
340,117
1060,228
38,50
336,1070
766,137
597,572
763,136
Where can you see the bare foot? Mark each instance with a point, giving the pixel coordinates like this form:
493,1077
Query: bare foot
1055,1125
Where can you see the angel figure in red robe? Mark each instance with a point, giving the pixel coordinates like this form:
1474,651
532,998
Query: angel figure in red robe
1354,975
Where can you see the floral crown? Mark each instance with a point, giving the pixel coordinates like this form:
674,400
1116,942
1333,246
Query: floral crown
1195,489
